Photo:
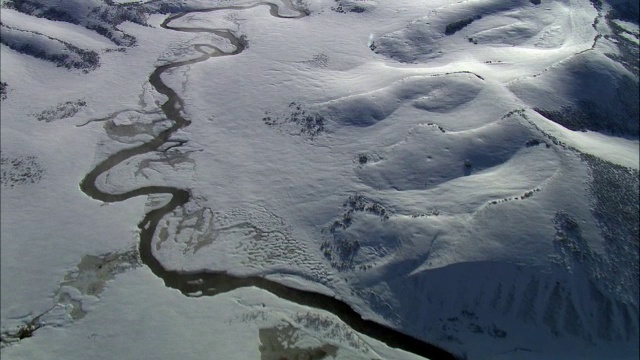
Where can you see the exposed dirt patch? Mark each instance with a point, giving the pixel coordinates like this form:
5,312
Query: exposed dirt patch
277,343
20,170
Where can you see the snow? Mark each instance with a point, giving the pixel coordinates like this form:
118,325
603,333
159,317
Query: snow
362,155
63,31
171,326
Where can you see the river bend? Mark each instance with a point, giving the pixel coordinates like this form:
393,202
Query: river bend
207,283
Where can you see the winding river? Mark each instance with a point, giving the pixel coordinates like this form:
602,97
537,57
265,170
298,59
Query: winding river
207,283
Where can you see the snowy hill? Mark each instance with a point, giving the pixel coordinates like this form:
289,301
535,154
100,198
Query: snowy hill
320,179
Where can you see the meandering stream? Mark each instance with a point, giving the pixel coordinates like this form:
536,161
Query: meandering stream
206,283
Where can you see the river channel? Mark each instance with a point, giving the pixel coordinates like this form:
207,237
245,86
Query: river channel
207,283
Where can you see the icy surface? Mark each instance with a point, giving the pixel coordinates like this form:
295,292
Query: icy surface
466,173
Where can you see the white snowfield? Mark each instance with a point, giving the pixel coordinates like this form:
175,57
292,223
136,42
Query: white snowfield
462,172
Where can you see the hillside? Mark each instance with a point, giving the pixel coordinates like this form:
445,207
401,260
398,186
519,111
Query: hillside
320,179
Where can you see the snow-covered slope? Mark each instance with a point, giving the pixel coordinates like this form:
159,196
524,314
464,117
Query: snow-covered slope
463,173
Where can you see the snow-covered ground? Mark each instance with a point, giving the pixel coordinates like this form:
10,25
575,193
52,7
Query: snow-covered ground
463,172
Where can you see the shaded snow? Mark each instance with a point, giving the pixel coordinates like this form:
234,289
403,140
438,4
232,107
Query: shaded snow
433,198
